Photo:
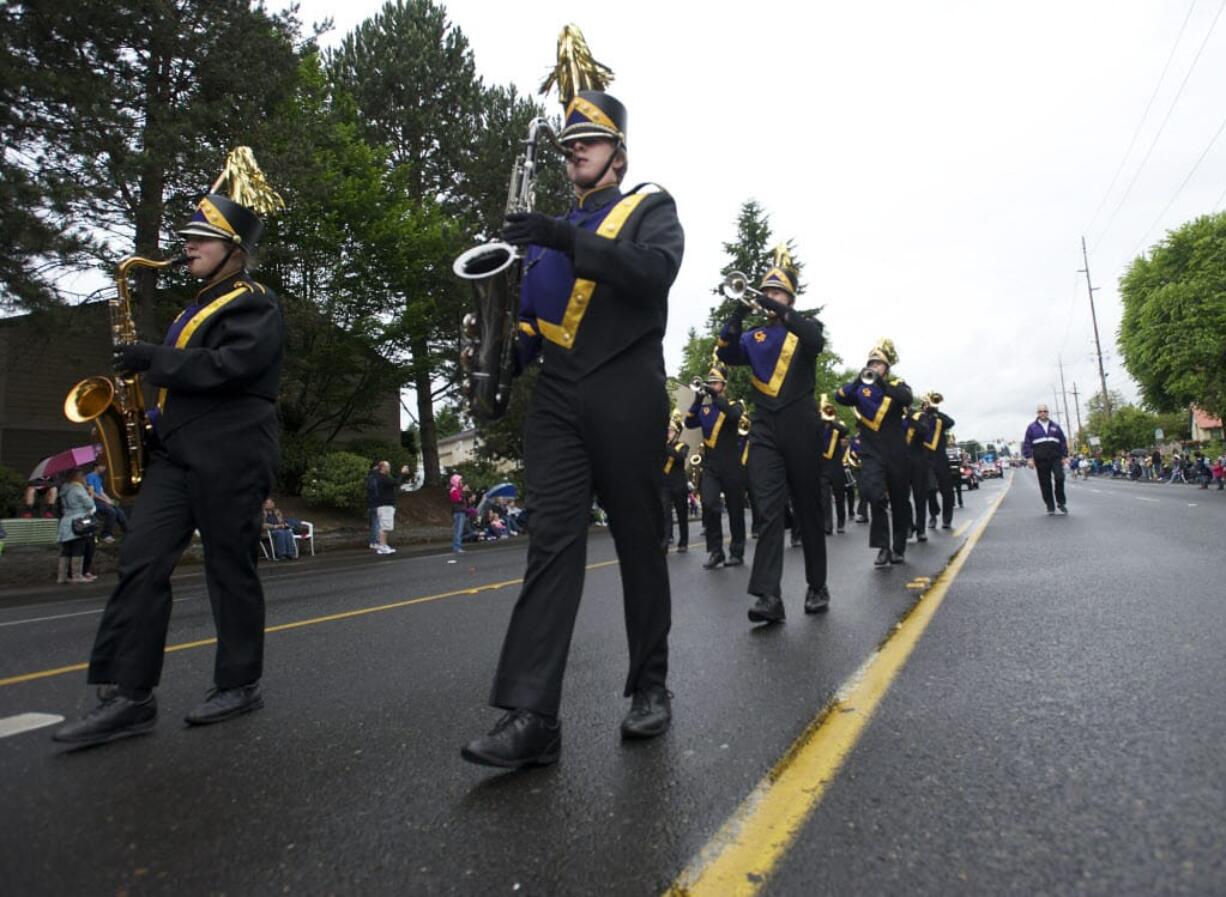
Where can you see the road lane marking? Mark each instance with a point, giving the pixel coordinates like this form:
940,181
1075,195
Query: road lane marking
1152,500
27,722
960,530
741,856
299,624
80,613
1191,504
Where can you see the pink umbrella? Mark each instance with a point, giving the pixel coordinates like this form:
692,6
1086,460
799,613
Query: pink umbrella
64,461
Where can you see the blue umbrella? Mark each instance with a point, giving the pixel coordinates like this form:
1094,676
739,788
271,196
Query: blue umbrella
502,490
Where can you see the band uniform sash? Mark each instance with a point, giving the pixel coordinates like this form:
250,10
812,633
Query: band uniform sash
786,351
581,294
196,322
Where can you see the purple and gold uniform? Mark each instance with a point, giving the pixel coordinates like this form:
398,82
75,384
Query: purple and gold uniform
722,473
834,481
675,493
939,426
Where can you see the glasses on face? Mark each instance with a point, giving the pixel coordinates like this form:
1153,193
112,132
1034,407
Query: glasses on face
1042,411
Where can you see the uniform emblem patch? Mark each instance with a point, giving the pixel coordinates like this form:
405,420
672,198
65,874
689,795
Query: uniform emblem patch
866,392
759,337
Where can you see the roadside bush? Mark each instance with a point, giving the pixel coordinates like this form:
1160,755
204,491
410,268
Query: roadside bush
337,480
382,450
12,490
298,452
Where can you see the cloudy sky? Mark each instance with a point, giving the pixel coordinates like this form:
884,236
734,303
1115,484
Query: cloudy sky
936,163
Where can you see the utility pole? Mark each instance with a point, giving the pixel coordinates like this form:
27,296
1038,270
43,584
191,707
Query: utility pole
1098,346
1068,421
1055,400
1077,405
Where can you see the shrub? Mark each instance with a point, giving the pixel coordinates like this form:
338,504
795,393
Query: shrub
337,480
12,491
298,452
382,450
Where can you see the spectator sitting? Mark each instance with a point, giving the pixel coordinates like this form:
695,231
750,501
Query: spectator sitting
109,512
513,516
495,529
76,549
284,546
44,488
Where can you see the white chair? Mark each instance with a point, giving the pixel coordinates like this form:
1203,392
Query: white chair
308,536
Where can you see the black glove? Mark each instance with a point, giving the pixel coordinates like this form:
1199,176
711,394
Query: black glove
779,309
133,358
533,228
739,311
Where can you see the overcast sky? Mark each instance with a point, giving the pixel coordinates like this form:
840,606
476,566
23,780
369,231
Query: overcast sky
936,164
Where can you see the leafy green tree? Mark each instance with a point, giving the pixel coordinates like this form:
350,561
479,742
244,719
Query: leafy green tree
1173,332
450,421
1130,427
971,447
122,113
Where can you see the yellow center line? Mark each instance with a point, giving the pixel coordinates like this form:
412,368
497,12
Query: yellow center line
298,624
737,861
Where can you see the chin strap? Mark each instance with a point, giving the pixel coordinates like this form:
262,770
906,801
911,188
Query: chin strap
208,278
620,148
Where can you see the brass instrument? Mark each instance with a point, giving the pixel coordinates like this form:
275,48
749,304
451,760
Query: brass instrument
736,286
743,424
868,376
827,408
495,270
116,404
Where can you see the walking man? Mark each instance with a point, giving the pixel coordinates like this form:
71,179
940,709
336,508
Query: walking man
1045,450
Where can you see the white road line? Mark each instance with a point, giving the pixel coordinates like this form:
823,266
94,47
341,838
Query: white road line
27,722
1191,504
80,613
1151,500
1099,491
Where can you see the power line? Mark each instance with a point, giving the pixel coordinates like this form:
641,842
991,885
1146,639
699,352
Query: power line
1182,184
1137,131
1170,109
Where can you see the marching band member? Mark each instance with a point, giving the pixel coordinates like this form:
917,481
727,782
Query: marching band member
675,491
782,356
878,401
834,480
594,303
722,473
939,425
916,430
211,466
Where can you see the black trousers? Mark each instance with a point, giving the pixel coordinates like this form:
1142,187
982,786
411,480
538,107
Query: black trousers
855,504
945,489
212,475
676,501
1050,469
602,435
783,448
834,486
921,475
717,481
885,484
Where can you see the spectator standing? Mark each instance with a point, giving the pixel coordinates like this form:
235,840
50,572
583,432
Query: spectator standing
372,504
385,501
1045,449
76,549
459,512
109,512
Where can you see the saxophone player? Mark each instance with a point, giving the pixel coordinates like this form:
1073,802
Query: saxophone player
719,418
675,489
212,457
594,304
782,355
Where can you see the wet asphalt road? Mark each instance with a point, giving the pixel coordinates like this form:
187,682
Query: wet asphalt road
1067,740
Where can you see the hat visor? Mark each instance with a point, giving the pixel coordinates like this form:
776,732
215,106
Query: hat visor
202,229
589,131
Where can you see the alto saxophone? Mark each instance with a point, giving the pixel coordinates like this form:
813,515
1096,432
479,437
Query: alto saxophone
116,404
487,341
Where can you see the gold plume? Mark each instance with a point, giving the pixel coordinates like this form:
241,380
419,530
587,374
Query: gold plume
783,259
576,69
246,184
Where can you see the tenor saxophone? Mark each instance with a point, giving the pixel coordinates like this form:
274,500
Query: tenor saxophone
495,270
116,404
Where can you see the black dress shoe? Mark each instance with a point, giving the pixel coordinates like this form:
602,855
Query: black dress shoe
682,549
947,526
860,518
735,558
767,609
830,532
521,738
883,558
897,557
817,600
649,715
115,717
932,523
840,529
224,703
714,559
1063,510
921,537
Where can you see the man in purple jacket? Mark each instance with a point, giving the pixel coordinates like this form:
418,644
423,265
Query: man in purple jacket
1045,450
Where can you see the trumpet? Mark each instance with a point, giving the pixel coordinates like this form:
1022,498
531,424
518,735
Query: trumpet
736,286
868,376
698,385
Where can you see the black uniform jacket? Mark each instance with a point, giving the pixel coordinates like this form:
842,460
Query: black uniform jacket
782,356
611,297
225,354
879,410
940,425
675,456
718,419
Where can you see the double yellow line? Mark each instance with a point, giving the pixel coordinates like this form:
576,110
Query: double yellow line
745,851
299,624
